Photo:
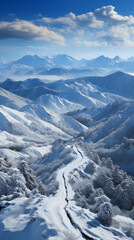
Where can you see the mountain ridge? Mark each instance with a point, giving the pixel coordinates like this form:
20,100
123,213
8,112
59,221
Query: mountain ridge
58,156
63,64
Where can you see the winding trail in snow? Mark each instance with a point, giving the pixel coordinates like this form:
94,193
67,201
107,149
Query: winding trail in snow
64,220
56,214
85,236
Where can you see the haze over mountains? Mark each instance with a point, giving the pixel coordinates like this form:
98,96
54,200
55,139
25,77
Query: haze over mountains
60,143
64,65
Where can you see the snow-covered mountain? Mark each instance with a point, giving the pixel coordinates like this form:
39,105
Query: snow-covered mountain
65,65
66,61
33,61
111,133
36,61
60,144
119,83
11,100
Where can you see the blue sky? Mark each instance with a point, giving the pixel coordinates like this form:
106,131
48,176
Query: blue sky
81,28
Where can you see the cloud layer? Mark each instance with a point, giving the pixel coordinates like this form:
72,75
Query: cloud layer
20,29
73,21
103,27
109,15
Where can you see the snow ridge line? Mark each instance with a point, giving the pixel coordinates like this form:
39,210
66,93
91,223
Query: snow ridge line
68,214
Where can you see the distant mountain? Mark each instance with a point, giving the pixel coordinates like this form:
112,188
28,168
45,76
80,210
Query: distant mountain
34,92
10,85
74,72
100,62
64,60
119,83
60,60
34,61
117,59
86,91
31,88
65,65
105,62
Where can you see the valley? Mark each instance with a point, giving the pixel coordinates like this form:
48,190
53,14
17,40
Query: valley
65,146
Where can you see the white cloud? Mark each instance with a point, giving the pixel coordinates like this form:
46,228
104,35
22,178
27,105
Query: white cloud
109,15
91,43
21,29
76,21
106,26
96,19
94,44
103,27
118,36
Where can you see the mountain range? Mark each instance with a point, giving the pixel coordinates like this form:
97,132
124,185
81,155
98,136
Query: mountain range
64,65
66,155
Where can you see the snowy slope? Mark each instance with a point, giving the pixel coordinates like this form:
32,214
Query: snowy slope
10,85
53,185
57,104
26,126
11,100
79,91
112,130
33,93
66,123
52,216
119,83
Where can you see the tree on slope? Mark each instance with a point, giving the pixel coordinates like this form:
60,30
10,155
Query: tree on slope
105,214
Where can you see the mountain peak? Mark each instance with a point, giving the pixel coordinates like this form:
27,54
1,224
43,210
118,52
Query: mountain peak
30,60
102,57
63,56
117,58
120,73
29,56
